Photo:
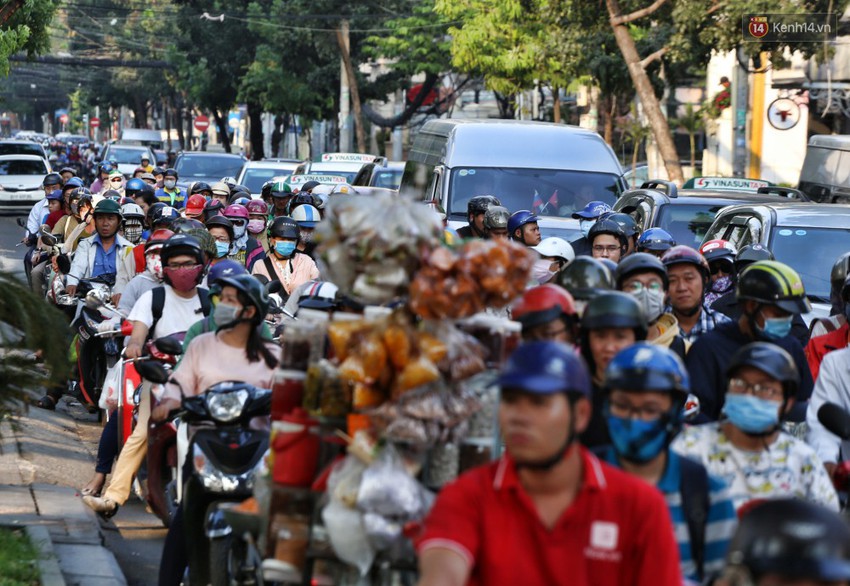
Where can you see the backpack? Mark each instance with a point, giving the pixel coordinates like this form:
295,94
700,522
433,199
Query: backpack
694,491
158,304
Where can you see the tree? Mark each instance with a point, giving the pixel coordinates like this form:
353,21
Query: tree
692,123
23,27
637,132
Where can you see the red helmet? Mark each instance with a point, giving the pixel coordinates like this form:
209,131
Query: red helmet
682,254
718,250
195,205
257,206
236,211
542,304
158,238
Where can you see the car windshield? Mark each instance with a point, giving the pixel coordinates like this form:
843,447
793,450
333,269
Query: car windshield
349,177
388,179
22,167
254,178
208,166
687,223
546,192
125,156
794,245
21,149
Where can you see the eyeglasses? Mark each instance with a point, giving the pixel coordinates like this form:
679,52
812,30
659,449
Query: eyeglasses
222,239
760,390
185,265
548,333
637,287
601,248
644,412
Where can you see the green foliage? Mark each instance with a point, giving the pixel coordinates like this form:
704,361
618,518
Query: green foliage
26,31
18,559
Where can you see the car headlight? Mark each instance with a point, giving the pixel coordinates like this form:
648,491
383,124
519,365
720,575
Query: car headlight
227,406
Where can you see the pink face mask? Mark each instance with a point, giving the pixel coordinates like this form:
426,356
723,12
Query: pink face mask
256,226
184,278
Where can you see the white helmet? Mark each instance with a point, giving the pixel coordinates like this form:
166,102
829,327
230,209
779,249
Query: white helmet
555,247
131,210
306,216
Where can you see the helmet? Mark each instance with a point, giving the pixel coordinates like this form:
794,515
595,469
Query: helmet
319,295
239,200
55,195
480,204
195,205
306,216
686,255
221,222
225,268
343,189
615,309
751,253
556,248
132,211
266,190
542,304
496,218
152,210
718,250
253,290
183,225
545,368
258,207
170,172
229,180
236,212
309,186
656,239
639,262
241,189
70,170
220,188
165,213
585,277
300,199
773,283
72,183
104,167
107,206
158,238
205,238
281,188
771,360
158,171
519,219
52,179
625,221
134,187
793,539
199,187
839,270
213,207
646,367
592,210
180,244
610,227
284,227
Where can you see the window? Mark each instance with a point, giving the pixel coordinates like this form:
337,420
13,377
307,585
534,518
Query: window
687,223
22,167
793,245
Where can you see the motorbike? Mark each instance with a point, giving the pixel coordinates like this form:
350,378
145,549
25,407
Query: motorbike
223,456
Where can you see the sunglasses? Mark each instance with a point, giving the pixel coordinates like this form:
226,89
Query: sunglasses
721,266
116,180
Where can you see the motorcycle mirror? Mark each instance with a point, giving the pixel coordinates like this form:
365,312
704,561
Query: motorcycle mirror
273,287
63,263
47,238
169,345
21,222
152,371
835,419
692,407
96,299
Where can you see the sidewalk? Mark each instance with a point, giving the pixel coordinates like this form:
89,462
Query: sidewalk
35,461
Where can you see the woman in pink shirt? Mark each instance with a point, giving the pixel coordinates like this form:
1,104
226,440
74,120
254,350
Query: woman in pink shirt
286,264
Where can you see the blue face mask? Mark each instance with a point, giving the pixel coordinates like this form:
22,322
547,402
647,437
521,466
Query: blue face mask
637,440
222,248
751,414
775,327
585,226
284,248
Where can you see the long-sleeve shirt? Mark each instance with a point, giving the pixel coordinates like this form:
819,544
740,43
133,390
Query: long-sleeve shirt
90,259
291,272
832,386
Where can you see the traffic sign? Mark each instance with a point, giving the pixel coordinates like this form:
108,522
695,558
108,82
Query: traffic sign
201,123
63,119
94,122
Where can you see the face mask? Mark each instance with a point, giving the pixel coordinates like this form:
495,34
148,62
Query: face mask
239,229
636,440
133,232
221,249
775,327
722,285
169,183
540,272
183,279
284,248
751,414
225,314
256,226
585,226
652,303
154,264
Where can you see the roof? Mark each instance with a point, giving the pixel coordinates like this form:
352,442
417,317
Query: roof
714,196
812,215
207,154
19,157
272,164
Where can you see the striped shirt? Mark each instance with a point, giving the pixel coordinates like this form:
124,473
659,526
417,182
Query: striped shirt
720,524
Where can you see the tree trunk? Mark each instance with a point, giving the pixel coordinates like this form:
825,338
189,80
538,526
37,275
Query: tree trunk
342,39
609,120
167,117
692,136
276,136
651,106
221,124
255,118
556,105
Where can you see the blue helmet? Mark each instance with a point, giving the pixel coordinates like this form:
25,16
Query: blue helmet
55,195
225,268
134,186
592,210
72,182
520,219
545,368
647,367
656,239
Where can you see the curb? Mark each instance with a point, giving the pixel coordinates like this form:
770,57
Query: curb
48,566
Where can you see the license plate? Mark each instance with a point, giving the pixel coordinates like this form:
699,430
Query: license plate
20,196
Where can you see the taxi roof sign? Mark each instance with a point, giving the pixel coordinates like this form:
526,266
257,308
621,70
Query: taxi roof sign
349,158
296,180
726,183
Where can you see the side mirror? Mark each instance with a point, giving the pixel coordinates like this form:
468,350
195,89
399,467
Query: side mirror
152,371
835,419
21,222
273,287
63,263
169,345
97,298
47,238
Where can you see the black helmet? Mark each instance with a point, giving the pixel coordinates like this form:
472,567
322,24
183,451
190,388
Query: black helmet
625,221
610,227
212,208
773,283
253,290
52,179
181,244
164,213
70,170
496,218
237,189
220,221
615,309
585,277
158,171
839,271
266,190
771,360
284,227
792,539
639,262
183,225
480,204
200,186
170,172
752,253
152,211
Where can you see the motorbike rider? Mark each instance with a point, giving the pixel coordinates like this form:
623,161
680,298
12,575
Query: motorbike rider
169,193
587,217
66,173
496,223
220,192
628,226
548,511
555,253
244,247
307,217
103,170
748,449
836,319
655,241
720,256
133,262
170,309
789,542
286,263
37,216
546,312
523,228
770,293
221,229
258,217
151,276
145,163
476,208
195,206
607,240
646,388
71,219
584,279
115,182
819,346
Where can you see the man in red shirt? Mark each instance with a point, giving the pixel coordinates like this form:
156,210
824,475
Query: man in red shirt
548,512
820,346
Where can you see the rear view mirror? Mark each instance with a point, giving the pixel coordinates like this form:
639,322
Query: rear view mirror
63,263
169,345
152,371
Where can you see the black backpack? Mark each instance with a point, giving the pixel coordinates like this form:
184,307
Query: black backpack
694,490
158,303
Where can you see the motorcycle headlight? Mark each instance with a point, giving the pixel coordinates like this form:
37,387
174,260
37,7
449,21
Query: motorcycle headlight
226,407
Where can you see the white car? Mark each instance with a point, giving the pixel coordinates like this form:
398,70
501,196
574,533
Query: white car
128,157
255,173
20,181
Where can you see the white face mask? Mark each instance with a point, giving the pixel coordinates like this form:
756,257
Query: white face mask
541,272
652,303
170,183
585,226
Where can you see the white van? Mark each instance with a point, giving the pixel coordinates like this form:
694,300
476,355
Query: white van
825,176
550,169
143,137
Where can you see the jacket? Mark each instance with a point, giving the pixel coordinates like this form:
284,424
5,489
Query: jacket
820,346
83,263
832,386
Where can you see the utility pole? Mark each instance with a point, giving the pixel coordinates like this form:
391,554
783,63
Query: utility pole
344,92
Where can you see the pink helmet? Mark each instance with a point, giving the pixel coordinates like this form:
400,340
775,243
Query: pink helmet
234,211
257,206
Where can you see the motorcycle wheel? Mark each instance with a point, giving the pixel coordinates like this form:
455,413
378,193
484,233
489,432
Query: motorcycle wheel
232,563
